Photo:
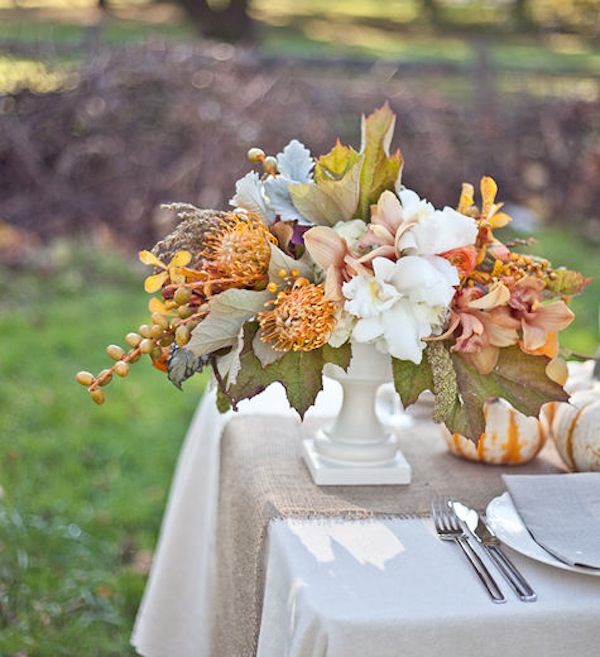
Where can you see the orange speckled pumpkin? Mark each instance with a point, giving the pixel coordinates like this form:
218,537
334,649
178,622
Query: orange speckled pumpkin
510,438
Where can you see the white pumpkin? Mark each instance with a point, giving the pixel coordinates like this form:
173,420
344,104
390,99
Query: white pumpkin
510,438
575,429
581,376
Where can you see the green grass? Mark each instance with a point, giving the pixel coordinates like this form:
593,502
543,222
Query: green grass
84,486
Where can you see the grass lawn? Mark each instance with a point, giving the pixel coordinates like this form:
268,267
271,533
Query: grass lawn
84,487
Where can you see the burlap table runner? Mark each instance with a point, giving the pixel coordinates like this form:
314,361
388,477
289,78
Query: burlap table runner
263,478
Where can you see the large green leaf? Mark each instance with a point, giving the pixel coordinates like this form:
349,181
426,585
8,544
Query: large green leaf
518,377
300,373
328,201
380,170
411,380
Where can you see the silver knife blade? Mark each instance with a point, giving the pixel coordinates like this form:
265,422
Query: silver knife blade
486,537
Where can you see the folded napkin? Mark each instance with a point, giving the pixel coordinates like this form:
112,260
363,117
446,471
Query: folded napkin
562,513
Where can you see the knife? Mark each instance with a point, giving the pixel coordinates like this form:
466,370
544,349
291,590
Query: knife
491,544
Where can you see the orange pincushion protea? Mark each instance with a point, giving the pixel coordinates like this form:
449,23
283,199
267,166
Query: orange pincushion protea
300,319
237,252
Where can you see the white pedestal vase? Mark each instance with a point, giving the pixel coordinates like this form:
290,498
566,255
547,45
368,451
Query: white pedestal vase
357,450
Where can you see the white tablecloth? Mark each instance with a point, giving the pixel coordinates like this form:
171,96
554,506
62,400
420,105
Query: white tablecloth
390,588
346,589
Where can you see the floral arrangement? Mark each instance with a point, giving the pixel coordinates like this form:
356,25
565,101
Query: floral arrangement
320,252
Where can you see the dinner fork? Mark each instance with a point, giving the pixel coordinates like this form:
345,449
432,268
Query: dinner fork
448,528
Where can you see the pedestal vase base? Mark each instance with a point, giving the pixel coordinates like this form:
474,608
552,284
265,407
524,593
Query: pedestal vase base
327,472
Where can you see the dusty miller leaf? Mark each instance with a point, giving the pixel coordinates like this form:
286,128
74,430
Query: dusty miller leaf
249,195
279,260
295,162
280,200
328,201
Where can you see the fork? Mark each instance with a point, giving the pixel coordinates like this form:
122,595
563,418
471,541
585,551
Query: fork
448,528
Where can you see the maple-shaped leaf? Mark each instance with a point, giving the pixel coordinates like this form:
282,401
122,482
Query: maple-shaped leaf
328,201
380,170
335,164
411,380
300,373
518,377
566,282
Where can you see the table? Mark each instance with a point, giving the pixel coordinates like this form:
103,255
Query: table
344,588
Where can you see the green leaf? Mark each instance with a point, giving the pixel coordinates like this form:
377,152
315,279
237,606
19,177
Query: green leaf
411,380
518,377
300,373
227,313
328,201
567,282
379,171
335,164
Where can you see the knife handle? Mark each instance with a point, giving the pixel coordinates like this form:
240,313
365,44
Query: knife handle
511,574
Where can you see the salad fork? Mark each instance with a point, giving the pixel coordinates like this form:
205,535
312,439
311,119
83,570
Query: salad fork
448,528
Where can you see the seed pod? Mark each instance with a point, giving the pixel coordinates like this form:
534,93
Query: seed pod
167,340
105,377
146,346
122,368
256,154
161,320
98,396
85,378
144,331
115,352
156,353
133,339
270,163
156,331
182,335
182,295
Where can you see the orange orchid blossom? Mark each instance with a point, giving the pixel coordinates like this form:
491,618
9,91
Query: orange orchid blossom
331,252
540,323
486,323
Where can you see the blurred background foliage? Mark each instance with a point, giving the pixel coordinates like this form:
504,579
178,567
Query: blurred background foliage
109,108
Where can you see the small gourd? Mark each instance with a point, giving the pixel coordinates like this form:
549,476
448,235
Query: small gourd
575,429
510,438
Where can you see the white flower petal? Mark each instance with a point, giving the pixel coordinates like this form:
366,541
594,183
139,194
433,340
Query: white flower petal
368,329
403,331
438,232
419,280
383,268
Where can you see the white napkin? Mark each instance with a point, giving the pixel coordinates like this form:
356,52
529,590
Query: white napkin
562,513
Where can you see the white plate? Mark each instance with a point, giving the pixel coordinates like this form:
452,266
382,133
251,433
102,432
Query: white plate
506,523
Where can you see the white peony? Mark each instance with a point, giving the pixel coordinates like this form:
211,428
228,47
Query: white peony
402,303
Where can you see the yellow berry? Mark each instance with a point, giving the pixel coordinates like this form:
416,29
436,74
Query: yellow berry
146,346
182,295
185,311
144,331
182,335
256,154
105,377
156,331
270,163
85,378
122,368
133,339
166,340
282,273
115,352
161,320
98,396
